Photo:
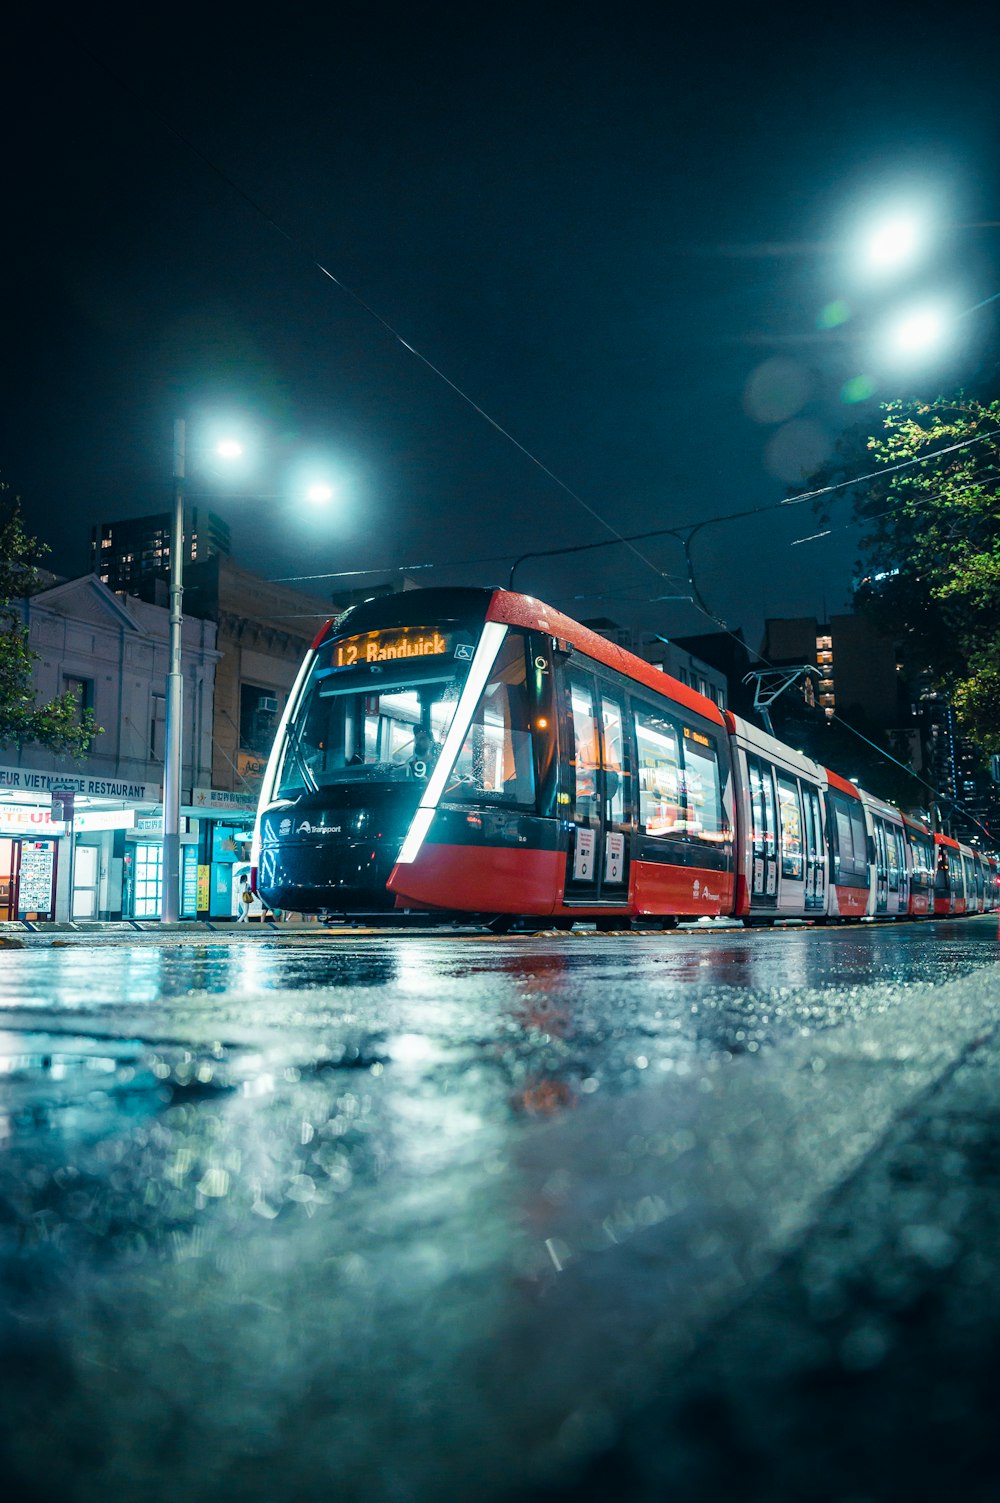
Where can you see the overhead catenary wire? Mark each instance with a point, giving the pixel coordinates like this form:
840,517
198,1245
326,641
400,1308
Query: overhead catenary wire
298,244
691,527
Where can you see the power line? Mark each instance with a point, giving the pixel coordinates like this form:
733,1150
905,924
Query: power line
691,528
300,246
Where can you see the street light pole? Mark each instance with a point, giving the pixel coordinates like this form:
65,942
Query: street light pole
173,750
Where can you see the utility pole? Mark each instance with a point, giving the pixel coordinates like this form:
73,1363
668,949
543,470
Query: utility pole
173,751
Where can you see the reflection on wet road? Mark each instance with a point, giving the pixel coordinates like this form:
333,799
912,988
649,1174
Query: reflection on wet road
312,1170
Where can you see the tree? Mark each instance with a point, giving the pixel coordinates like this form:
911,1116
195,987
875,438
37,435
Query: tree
930,547
60,725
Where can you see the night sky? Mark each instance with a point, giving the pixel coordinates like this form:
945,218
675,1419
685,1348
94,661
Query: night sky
614,229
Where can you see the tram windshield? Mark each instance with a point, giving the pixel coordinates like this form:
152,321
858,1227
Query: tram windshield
377,705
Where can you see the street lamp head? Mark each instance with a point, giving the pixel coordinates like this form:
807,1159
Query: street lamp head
319,493
895,242
919,332
229,448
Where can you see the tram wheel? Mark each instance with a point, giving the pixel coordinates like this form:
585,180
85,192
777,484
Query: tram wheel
501,923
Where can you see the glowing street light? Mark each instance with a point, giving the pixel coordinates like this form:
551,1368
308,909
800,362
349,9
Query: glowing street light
319,493
229,448
895,242
918,332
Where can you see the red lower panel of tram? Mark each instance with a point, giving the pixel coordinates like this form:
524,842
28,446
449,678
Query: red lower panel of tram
480,880
494,880
659,887
851,902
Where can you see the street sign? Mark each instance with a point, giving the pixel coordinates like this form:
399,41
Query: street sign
62,804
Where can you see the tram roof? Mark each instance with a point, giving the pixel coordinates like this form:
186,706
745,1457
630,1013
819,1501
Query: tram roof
441,603
524,610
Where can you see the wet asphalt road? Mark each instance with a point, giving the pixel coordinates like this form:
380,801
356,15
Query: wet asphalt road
413,1217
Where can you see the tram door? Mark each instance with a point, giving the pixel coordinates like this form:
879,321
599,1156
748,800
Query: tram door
815,852
763,827
881,869
899,883
600,796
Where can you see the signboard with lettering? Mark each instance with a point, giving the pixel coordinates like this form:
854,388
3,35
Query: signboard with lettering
25,780
397,644
614,856
28,820
104,819
583,854
62,804
218,800
34,882
251,766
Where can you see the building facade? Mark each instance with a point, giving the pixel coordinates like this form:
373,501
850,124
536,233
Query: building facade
858,665
83,839
263,632
132,556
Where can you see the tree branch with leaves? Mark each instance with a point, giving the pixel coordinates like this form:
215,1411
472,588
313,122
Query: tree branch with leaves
930,548
60,725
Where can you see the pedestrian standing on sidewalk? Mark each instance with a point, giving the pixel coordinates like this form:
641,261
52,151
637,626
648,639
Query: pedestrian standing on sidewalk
245,899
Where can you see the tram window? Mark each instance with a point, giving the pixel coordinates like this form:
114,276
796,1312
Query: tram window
614,760
851,839
496,759
845,840
942,875
892,856
586,758
344,729
757,803
680,792
703,790
762,811
661,805
923,861
792,853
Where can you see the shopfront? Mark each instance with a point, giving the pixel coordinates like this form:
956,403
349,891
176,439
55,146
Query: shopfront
29,863
91,849
64,843
226,830
142,855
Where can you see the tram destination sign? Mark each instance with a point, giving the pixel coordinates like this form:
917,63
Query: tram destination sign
398,644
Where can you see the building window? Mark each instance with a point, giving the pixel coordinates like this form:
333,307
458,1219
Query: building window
82,689
158,728
258,718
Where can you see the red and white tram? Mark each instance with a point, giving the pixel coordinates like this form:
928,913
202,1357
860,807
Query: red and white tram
478,752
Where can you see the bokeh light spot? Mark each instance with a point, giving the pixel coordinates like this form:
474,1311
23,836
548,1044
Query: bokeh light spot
857,389
776,391
834,314
797,450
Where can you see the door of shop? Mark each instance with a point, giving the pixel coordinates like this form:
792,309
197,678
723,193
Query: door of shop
27,879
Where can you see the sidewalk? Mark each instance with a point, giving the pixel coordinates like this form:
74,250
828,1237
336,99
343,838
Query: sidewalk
865,1367
199,931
